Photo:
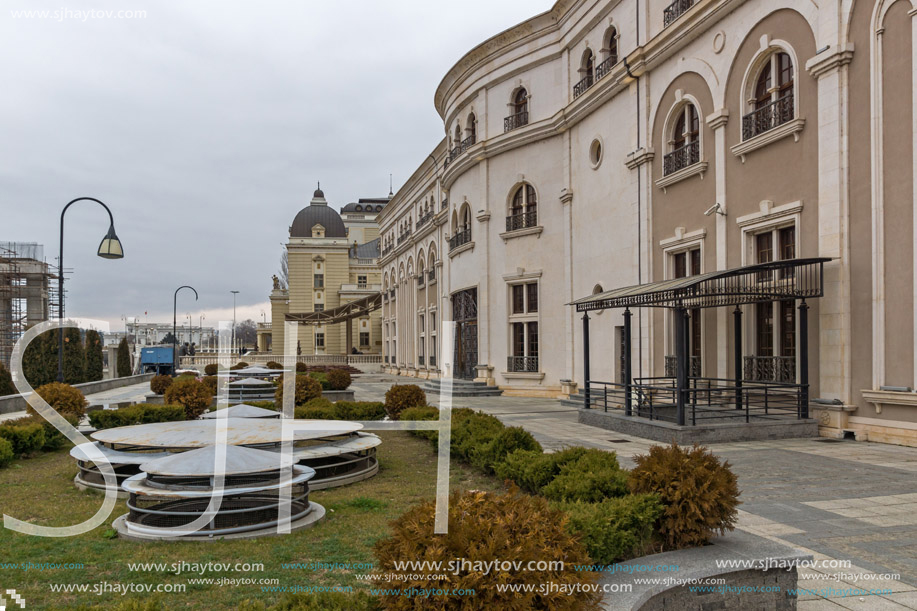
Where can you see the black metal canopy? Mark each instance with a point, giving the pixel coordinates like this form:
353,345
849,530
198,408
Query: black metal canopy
348,311
764,282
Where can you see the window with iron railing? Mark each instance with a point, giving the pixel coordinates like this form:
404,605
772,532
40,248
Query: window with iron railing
681,158
517,120
769,116
605,67
521,221
585,83
523,209
772,99
460,238
431,275
468,142
676,10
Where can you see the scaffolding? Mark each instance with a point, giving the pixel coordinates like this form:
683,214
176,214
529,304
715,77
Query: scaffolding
25,292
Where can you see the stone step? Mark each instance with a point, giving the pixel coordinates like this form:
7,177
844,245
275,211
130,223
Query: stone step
463,388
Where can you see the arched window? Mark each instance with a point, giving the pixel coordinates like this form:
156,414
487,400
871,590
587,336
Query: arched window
523,209
461,234
611,46
684,140
771,98
458,135
472,130
519,110
586,72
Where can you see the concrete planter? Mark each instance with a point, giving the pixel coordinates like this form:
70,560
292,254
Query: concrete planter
338,395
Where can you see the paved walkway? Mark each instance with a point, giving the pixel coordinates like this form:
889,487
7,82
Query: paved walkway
838,500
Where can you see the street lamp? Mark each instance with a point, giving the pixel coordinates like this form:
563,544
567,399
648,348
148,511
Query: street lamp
109,248
201,324
175,319
232,341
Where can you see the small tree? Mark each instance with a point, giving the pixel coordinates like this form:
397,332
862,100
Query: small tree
74,357
6,382
124,359
93,356
33,362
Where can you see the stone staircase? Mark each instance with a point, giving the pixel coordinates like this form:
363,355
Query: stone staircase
463,388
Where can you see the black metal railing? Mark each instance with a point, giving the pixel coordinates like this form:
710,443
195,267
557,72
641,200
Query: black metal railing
585,83
455,152
768,117
460,238
426,218
522,364
681,158
404,235
517,120
468,142
387,250
671,366
602,70
704,399
521,220
420,360
432,361
770,368
676,10
420,279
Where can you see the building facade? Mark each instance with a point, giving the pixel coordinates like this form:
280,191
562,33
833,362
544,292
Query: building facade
26,292
608,144
332,259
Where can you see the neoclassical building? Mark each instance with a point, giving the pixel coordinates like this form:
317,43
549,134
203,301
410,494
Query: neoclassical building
333,259
605,144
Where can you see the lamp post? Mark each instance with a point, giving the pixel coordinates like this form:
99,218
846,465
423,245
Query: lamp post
190,328
201,324
175,320
232,342
109,248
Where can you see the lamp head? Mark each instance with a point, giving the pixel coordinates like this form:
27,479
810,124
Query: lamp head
111,248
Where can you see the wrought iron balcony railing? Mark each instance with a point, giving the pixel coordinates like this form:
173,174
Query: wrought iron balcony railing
676,10
522,364
468,142
387,250
584,84
671,366
460,238
770,369
521,221
517,120
404,236
423,220
455,152
768,117
605,67
681,158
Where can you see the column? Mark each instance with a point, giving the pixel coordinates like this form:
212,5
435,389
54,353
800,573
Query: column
587,403
717,122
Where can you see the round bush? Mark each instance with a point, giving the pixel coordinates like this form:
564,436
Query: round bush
191,394
211,383
489,455
307,388
486,526
65,399
273,365
239,365
700,493
6,452
403,396
159,384
339,379
212,369
301,368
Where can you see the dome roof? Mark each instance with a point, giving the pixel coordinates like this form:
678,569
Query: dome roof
318,213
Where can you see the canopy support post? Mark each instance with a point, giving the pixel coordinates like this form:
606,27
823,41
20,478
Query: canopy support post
681,364
628,374
588,403
737,331
804,359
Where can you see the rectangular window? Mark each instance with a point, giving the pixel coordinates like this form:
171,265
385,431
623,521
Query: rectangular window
787,328
764,328
433,321
684,265
420,323
361,282
532,296
680,265
318,307
533,339
319,340
518,299
318,281
695,262
518,339
786,243
364,339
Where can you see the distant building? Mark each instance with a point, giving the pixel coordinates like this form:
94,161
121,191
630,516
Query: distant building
333,259
25,292
152,333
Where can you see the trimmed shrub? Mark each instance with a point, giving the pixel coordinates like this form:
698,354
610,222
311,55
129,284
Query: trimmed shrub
124,359
338,379
615,529
142,413
532,470
211,383
484,526
239,365
301,368
487,456
191,394
159,384
593,477
318,402
342,410
54,439
211,370
273,365
307,388
320,377
6,382
6,453
25,437
700,494
472,431
402,396
94,368
264,404
314,413
420,413
65,399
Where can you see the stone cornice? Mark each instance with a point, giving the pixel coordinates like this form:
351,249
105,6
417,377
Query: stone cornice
718,119
826,63
639,157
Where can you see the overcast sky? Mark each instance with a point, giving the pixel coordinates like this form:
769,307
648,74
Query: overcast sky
205,125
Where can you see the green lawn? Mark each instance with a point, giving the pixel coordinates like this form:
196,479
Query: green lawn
40,490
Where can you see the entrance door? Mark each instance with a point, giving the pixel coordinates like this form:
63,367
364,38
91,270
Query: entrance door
465,314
